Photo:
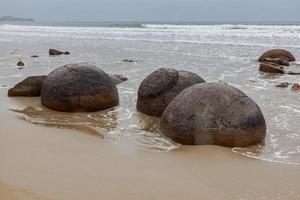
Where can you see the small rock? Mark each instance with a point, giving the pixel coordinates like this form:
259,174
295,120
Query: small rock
271,68
127,60
34,56
279,61
296,87
117,79
283,85
54,52
20,63
277,53
29,87
67,53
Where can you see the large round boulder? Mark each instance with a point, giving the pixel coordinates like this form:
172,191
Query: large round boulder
277,53
213,113
79,88
160,87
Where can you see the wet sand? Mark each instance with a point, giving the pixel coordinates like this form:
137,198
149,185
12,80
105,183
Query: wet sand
61,164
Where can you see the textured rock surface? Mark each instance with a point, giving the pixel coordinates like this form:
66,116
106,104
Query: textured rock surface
279,61
213,113
30,87
79,88
277,53
159,88
271,68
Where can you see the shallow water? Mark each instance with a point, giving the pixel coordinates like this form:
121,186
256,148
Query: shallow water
216,52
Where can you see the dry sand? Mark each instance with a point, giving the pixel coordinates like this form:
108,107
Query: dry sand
64,164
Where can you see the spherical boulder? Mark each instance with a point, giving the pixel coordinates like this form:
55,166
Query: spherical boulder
213,113
277,53
160,87
79,88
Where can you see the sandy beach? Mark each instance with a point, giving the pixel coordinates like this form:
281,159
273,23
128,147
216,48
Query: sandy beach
62,164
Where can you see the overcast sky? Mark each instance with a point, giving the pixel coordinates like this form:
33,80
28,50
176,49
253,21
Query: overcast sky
153,10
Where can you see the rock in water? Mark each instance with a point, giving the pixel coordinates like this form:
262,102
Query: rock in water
54,52
213,113
30,87
117,79
277,53
296,87
279,61
160,87
20,63
283,85
271,68
79,88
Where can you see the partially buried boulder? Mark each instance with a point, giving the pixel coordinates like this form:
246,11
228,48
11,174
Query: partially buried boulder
79,88
213,113
271,68
159,88
277,53
30,87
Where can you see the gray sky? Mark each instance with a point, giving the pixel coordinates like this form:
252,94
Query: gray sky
153,10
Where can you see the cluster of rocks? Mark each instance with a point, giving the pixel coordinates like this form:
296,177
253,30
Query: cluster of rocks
277,61
191,111
54,52
195,112
72,88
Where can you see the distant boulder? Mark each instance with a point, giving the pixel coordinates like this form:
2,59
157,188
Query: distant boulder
279,61
271,68
54,52
29,87
20,63
34,56
277,53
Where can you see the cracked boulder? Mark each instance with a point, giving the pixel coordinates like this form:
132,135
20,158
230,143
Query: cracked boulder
213,113
79,88
160,87
277,53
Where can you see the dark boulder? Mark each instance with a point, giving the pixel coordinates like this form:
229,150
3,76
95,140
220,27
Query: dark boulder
213,113
279,61
79,88
160,87
54,52
271,68
34,56
20,63
67,53
277,53
29,87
